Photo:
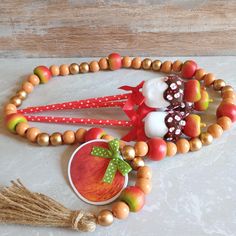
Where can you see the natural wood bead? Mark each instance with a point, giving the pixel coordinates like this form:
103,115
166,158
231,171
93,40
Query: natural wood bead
228,94
137,162
103,63
199,74
209,79
195,144
215,130
120,210
227,88
105,218
84,67
55,70
141,149
144,184
206,138
68,137
122,144
225,122
156,65
177,66
21,128
144,172
43,139
21,94
128,153
126,62
171,149
16,101
80,135
28,87
182,145
34,79
166,67
56,139
64,70
146,64
218,84
107,137
74,68
32,134
10,109
136,63
94,66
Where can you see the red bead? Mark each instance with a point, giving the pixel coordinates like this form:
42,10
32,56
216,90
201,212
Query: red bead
94,133
156,149
227,109
114,61
188,69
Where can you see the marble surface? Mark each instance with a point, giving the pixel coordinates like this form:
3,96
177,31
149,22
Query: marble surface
193,194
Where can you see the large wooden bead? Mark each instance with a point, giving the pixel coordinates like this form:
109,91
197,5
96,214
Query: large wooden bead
74,68
55,70
225,122
32,134
206,138
215,130
177,66
27,87
94,66
218,84
13,120
199,74
10,109
182,145
146,64
64,70
84,67
128,153
120,210
171,149
21,128
156,149
166,67
136,63
56,139
43,73
209,79
21,94
126,62
16,101
228,94
103,63
114,61
43,139
80,135
105,218
144,184
195,144
137,163
141,148
227,88
34,79
68,137
156,65
144,172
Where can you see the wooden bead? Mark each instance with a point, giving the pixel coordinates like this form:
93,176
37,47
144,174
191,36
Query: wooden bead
218,84
144,184
228,94
177,66
56,139
43,139
94,66
105,218
199,74
120,210
80,135
107,137
136,63
28,87
122,144
215,130
227,100
21,94
171,149
141,149
21,128
182,145
146,64
225,122
156,65
103,63
16,101
209,79
10,109
144,172
227,88
126,62
136,163
32,134
55,70
128,153
68,137
166,67
34,79
74,68
64,70
84,67
206,138
195,144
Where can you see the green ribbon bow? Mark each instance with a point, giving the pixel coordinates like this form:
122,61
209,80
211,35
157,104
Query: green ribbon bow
116,163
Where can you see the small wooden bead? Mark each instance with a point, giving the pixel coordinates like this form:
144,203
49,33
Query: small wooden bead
43,139
218,84
141,149
166,67
64,70
107,137
228,100
120,210
21,94
74,68
206,138
137,162
80,135
28,87
227,88
199,74
84,67
56,139
195,144
144,184
103,63
55,70
32,134
21,128
128,153
105,218
228,94
146,64
34,79
182,145
156,65
126,62
16,101
94,66
171,149
144,172
209,79
225,122
215,130
122,144
68,137
10,109
136,63
177,66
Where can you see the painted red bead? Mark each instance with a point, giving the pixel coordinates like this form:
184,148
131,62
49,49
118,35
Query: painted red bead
156,149
94,133
114,61
227,109
188,69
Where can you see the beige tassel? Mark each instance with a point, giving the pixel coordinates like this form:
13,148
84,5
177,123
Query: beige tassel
20,206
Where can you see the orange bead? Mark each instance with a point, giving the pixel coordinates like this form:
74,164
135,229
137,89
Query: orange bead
32,134
144,184
209,79
120,210
28,87
166,67
171,149
215,130
21,128
177,66
141,149
55,70
136,63
228,94
64,70
218,84
107,137
199,74
10,109
68,137
182,145
103,63
227,88
80,135
144,172
126,62
225,122
34,79
94,66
